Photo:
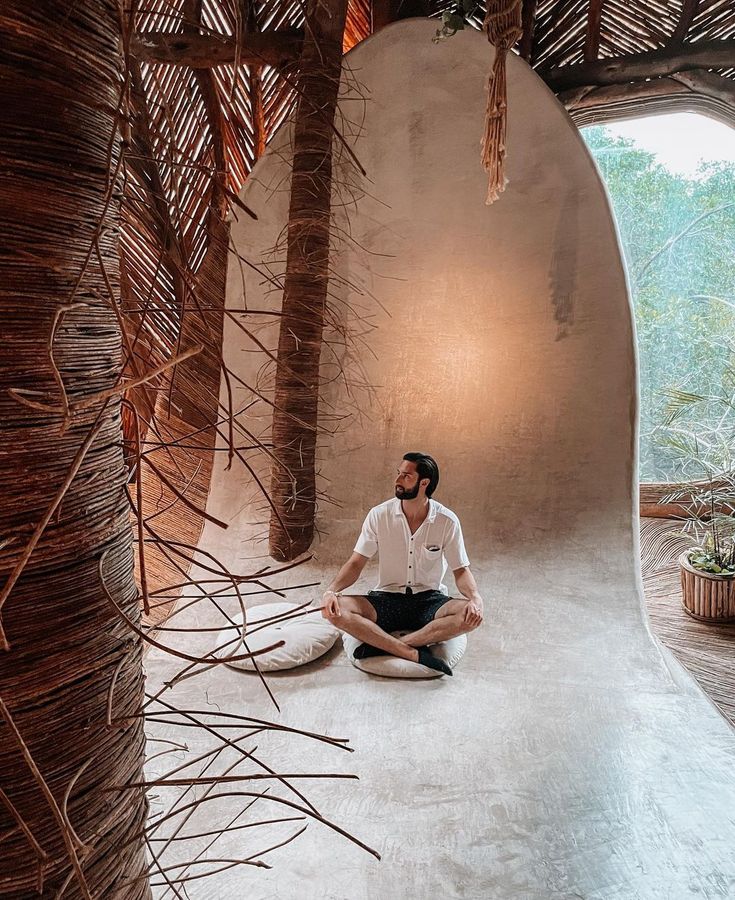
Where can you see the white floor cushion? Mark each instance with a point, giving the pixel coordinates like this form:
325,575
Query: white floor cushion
305,637
450,651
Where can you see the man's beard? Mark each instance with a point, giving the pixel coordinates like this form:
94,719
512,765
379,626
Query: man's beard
403,494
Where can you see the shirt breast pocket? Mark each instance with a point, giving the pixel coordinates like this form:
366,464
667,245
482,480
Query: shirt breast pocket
431,564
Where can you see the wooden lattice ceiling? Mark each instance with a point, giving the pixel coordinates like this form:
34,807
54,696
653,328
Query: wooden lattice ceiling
198,128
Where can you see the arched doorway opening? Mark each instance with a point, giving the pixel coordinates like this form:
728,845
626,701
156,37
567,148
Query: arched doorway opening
671,181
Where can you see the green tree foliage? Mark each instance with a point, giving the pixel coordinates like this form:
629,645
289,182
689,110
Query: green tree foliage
678,240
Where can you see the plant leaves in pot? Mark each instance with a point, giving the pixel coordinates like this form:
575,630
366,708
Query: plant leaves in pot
699,436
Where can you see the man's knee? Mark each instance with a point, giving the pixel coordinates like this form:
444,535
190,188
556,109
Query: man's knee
336,619
453,608
457,609
463,626
349,609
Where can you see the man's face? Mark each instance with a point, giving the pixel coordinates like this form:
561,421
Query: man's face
407,481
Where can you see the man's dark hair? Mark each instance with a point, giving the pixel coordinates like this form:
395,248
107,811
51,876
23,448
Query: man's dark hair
427,468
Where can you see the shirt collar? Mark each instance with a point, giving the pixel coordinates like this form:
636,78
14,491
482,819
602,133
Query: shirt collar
397,511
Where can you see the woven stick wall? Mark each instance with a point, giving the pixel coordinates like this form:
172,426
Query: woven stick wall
179,455
197,132
70,673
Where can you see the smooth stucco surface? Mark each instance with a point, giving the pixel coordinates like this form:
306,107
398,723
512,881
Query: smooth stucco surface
568,757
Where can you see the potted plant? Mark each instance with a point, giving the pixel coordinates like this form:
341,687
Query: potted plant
699,436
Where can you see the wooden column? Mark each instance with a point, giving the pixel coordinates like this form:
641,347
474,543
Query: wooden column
295,417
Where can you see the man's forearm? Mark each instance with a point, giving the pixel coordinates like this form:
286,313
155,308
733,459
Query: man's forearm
347,576
467,586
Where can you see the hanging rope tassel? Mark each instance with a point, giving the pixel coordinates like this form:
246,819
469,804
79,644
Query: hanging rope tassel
503,27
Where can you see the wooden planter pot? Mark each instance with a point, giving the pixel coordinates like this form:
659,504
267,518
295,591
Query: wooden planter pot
709,598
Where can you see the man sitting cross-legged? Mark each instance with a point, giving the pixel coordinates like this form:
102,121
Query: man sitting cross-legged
415,538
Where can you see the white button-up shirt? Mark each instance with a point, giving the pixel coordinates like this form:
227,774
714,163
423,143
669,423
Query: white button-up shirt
419,560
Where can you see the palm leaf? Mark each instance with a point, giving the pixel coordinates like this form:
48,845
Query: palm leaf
679,402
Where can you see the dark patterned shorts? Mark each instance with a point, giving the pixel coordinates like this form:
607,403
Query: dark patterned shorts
406,612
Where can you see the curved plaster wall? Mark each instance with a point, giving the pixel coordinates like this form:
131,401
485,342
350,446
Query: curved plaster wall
497,338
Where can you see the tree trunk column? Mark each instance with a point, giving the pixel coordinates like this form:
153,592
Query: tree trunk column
67,662
293,488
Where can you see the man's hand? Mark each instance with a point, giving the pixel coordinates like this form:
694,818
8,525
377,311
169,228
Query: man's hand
467,586
473,612
330,604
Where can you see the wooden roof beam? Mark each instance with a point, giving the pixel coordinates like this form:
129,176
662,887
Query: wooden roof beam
652,64
708,84
528,22
215,118
594,21
695,91
204,51
702,84
688,10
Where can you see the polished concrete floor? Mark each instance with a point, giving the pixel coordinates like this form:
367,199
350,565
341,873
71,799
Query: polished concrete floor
568,757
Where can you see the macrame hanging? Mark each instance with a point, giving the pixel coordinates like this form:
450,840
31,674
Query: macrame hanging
503,27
